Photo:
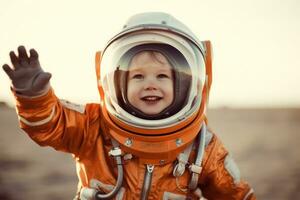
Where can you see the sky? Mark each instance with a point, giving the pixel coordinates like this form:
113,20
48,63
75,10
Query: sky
256,44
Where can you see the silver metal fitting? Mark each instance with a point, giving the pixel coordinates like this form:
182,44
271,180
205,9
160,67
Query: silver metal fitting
127,156
178,142
195,168
161,162
128,142
115,152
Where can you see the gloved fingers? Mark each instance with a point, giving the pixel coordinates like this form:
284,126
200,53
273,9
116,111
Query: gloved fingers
41,81
23,57
34,57
14,60
9,71
33,54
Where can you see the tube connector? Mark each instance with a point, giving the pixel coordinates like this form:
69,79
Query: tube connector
116,151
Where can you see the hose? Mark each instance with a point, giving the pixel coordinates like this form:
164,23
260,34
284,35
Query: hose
110,195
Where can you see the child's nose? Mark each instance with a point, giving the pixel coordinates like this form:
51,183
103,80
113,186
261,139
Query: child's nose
150,84
150,88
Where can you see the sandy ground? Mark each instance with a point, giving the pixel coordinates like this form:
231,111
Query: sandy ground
264,142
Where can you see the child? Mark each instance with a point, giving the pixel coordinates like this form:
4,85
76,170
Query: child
147,139
150,82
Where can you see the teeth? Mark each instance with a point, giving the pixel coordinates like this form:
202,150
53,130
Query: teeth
151,98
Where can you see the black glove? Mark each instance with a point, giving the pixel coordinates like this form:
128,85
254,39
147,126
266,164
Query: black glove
27,76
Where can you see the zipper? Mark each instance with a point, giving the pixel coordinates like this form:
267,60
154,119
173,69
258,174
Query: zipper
147,181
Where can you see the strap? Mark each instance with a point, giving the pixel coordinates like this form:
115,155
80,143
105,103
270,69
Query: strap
179,168
196,167
182,161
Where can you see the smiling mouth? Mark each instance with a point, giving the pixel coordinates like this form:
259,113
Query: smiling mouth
151,99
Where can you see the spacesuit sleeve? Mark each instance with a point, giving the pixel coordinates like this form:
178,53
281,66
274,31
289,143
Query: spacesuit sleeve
222,175
56,123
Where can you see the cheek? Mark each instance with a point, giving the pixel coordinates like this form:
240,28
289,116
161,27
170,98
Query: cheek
131,92
169,90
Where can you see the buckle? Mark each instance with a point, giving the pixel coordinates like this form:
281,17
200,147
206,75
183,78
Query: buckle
195,168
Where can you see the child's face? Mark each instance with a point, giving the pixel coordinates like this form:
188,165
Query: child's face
150,82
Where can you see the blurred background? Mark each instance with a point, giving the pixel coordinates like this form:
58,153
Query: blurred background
254,102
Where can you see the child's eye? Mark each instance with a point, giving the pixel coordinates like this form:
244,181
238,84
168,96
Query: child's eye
137,76
163,76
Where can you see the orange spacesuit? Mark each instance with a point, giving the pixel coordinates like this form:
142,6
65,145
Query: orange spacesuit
121,151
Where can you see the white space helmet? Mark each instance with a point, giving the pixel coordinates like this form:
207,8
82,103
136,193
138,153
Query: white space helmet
163,34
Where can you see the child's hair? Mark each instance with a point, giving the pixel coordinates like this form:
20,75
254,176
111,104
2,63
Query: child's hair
155,55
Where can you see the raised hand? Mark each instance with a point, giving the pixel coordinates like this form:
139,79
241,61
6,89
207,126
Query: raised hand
26,74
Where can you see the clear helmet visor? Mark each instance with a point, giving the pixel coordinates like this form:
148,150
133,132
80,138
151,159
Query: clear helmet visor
152,79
